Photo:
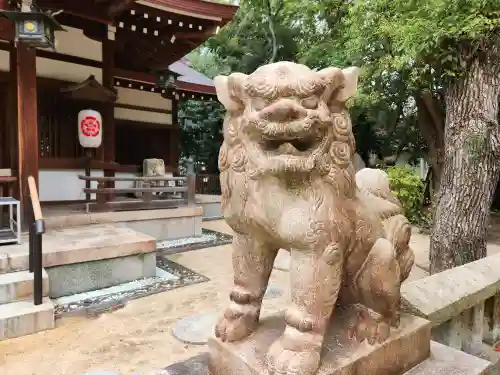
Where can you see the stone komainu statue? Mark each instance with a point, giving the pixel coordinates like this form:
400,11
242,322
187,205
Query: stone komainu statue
288,181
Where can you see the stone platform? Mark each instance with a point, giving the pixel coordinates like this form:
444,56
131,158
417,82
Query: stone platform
86,258
443,360
78,245
407,346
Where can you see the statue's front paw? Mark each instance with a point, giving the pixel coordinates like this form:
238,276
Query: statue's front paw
234,326
373,332
281,361
369,326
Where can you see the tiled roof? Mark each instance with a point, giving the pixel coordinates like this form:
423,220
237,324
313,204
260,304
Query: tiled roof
188,74
190,79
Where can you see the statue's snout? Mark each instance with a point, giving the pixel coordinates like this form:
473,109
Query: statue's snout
283,110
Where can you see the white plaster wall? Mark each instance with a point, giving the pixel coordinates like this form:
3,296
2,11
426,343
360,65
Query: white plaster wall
143,116
72,43
142,98
64,185
4,61
55,69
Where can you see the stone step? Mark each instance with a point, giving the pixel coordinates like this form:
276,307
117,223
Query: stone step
79,245
162,224
17,286
445,361
24,318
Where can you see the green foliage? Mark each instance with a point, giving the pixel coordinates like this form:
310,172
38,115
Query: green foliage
257,35
409,189
201,133
205,61
429,37
403,47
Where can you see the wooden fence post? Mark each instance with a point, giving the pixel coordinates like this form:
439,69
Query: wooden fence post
191,182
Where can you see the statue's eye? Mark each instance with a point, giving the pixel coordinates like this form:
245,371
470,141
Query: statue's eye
259,104
310,103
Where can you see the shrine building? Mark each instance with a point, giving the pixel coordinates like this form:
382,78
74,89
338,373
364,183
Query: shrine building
123,59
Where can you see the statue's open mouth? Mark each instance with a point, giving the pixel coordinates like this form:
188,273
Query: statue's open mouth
288,146
302,146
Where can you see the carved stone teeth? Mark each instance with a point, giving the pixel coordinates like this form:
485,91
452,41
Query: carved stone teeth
287,148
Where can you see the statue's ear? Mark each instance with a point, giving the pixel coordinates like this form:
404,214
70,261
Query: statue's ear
333,79
350,84
230,90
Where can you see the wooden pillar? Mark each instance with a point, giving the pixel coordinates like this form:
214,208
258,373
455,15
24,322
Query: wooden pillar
108,116
4,134
23,74
174,147
174,137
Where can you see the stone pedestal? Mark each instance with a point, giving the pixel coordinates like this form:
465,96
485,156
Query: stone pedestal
406,347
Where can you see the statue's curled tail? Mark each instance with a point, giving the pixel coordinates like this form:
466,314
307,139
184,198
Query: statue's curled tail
374,190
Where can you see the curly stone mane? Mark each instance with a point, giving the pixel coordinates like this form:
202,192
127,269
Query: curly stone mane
332,159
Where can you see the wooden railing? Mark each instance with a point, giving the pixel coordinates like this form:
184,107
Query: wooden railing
462,303
208,184
108,200
36,230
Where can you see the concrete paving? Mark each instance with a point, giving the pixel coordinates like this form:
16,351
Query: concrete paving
137,338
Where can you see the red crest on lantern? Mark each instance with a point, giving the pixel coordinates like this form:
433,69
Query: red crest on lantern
90,128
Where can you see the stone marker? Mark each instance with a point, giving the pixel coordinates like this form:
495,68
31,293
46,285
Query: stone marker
195,329
288,181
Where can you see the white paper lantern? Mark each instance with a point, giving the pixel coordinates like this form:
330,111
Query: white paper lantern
90,128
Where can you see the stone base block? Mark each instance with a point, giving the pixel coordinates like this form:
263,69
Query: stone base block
168,228
84,277
448,361
212,211
443,360
406,347
24,318
17,286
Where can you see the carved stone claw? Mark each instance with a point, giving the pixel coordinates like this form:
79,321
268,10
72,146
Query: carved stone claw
368,325
234,326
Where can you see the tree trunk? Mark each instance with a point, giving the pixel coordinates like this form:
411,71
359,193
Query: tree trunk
431,124
470,169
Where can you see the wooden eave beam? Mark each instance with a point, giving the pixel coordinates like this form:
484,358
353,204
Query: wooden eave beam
195,88
95,12
118,7
196,35
199,7
150,79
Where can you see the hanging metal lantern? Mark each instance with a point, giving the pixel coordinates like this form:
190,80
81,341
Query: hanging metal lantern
34,27
165,80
